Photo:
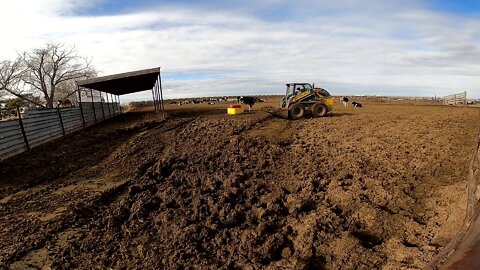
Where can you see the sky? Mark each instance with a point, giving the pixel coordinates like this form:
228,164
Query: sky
251,47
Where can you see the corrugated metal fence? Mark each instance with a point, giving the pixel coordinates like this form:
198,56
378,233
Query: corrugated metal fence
40,126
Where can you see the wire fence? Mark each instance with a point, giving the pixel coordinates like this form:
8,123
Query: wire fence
36,127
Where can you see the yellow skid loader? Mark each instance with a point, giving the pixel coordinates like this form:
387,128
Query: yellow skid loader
301,98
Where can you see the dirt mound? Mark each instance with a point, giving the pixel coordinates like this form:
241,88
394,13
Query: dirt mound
253,192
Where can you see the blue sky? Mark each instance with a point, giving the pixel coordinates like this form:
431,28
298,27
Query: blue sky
275,10
371,47
462,7
272,10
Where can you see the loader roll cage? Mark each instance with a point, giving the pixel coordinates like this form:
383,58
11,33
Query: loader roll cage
292,88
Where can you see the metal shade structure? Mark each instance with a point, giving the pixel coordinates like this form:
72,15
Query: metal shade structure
123,83
127,83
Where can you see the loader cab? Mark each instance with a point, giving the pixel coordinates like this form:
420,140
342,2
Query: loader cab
296,88
293,89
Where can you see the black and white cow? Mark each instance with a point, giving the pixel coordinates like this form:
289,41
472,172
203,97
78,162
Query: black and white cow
356,104
250,101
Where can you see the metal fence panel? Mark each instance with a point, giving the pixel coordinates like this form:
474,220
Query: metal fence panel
43,132
40,121
44,125
11,139
12,151
5,135
12,135
6,124
99,111
18,143
40,112
88,113
72,119
107,110
44,137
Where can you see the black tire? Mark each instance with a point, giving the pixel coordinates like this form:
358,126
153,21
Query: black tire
296,111
319,110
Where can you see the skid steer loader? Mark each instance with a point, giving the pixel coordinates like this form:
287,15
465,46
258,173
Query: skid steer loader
302,98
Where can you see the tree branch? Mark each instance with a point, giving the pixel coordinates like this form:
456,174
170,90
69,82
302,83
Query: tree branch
23,97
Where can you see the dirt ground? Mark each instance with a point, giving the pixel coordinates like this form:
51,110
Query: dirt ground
379,187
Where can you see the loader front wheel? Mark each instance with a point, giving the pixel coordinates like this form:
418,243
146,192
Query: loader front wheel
296,111
319,110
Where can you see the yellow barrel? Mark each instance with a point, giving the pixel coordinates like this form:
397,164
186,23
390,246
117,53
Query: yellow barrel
234,110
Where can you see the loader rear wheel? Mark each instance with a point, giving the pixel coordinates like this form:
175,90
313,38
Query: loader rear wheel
296,111
319,110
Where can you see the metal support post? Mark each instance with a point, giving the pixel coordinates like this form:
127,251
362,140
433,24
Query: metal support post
101,104
108,104
93,106
81,106
159,105
154,98
161,95
25,139
61,121
113,105
119,106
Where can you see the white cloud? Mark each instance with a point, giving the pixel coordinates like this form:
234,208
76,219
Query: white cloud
384,49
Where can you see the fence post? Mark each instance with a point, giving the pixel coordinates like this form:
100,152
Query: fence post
101,104
161,94
25,139
119,106
61,121
81,107
93,106
114,109
154,92
108,105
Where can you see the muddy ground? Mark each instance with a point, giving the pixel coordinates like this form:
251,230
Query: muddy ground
382,187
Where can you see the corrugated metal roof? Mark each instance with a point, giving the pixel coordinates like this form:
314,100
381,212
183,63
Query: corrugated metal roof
123,83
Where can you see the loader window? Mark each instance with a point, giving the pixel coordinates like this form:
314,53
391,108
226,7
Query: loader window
299,88
290,89
307,86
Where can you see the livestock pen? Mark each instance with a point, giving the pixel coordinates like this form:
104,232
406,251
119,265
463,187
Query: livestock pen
36,127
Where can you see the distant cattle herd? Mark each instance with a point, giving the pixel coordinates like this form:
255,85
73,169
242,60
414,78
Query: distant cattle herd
250,101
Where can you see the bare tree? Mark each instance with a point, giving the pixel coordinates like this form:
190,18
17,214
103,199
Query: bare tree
44,69
11,81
